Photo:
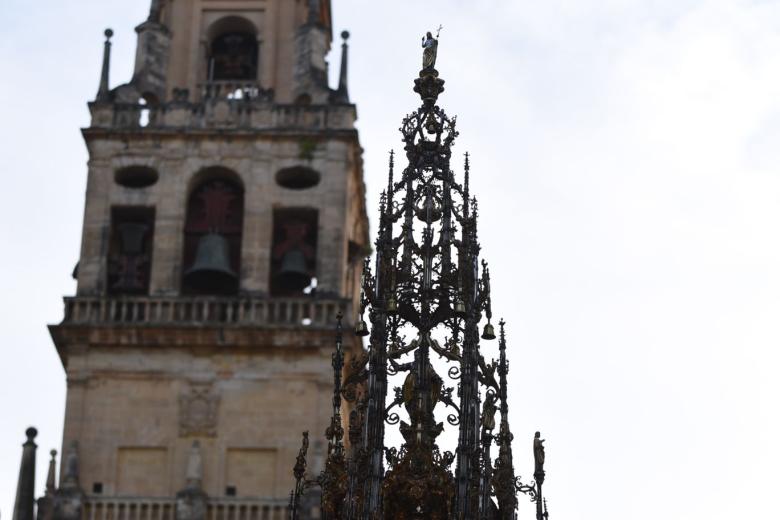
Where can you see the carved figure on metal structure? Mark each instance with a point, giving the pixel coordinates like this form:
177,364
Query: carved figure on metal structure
538,450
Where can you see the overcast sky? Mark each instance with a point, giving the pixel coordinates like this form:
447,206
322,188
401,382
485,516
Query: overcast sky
625,154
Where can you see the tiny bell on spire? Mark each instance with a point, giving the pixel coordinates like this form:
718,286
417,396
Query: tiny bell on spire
361,329
488,332
460,308
392,305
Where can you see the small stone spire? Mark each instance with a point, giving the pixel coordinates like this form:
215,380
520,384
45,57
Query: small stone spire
46,503
343,90
51,477
25,490
155,11
103,92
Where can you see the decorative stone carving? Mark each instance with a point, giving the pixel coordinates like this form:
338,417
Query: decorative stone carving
198,411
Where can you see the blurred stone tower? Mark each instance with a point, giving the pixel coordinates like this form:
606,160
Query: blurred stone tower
224,229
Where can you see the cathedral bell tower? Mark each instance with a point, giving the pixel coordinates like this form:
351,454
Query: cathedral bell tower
224,230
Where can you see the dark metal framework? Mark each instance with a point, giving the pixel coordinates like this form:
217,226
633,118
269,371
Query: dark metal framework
425,296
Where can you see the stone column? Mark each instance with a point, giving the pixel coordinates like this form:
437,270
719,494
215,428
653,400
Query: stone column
24,507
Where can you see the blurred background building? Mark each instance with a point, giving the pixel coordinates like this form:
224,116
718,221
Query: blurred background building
224,229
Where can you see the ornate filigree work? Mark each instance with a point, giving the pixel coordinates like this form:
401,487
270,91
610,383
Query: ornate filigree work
422,303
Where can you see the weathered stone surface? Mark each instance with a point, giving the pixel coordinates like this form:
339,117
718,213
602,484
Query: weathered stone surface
148,376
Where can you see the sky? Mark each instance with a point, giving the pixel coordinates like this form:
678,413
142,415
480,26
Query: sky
625,155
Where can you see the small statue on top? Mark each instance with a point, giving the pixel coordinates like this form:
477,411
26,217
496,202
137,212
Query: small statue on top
430,47
539,453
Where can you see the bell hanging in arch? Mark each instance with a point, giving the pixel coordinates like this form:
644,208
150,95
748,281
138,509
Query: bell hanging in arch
293,274
210,273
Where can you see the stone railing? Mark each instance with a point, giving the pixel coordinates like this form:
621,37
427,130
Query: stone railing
142,508
234,89
244,509
196,311
250,113
105,508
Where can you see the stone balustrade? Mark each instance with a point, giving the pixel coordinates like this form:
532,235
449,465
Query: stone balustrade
234,89
252,112
198,311
243,509
146,508
105,508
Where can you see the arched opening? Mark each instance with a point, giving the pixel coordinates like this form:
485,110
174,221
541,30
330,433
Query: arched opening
233,50
297,178
212,234
294,251
130,250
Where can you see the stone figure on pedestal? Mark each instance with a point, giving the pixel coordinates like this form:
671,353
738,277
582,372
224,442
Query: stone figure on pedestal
191,501
430,48
539,452
195,467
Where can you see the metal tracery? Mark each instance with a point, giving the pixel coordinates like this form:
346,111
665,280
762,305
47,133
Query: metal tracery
424,297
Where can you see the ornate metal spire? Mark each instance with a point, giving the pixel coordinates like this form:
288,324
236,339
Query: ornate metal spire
425,297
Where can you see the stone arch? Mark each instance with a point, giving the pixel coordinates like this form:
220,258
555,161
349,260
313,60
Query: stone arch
233,49
213,229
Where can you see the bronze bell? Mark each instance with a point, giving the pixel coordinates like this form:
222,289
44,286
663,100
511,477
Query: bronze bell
211,272
488,332
460,308
361,329
294,273
392,305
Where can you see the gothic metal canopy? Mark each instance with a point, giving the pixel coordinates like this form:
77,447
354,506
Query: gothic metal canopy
425,298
